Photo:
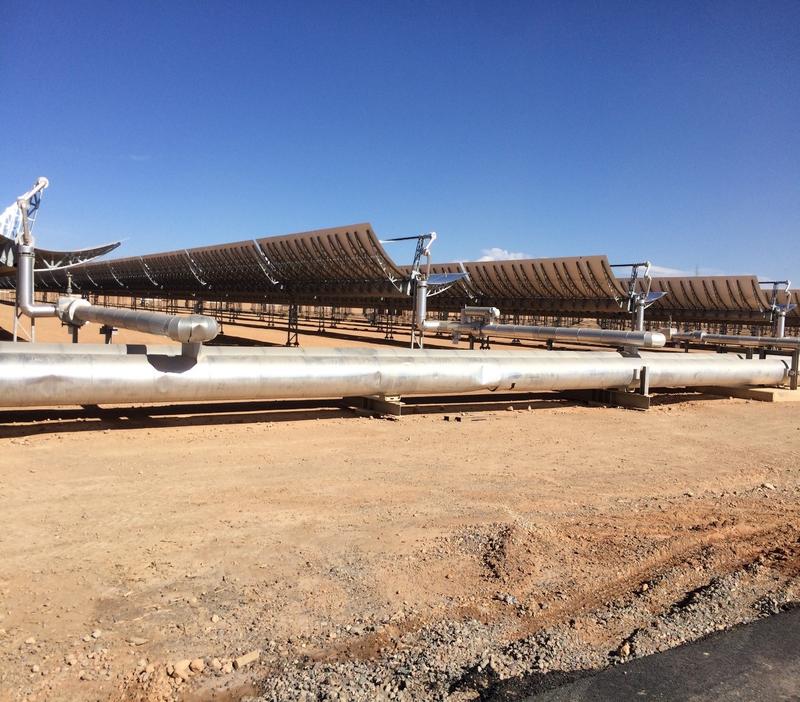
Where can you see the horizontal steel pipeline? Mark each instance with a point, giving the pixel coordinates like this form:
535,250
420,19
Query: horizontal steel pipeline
273,352
192,328
613,337
31,379
701,337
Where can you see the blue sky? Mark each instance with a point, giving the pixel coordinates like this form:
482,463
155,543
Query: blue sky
660,130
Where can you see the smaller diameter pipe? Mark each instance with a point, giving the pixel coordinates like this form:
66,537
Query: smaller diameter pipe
188,329
25,301
701,337
780,327
573,334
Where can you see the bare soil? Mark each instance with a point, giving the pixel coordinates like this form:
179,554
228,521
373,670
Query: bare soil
369,559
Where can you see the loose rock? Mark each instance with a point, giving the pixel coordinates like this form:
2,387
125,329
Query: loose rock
246,659
180,670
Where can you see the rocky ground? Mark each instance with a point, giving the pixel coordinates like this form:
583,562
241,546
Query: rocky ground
335,557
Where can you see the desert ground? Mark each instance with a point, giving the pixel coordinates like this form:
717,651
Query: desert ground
287,551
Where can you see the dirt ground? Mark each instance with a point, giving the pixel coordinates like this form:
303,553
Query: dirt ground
371,559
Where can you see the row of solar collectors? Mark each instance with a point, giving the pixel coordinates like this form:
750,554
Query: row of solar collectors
348,265
582,284
701,296
512,285
342,263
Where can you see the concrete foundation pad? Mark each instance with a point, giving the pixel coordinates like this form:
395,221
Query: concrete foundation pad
760,394
372,404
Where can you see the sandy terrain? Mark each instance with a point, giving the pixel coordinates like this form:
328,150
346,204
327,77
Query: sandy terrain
372,559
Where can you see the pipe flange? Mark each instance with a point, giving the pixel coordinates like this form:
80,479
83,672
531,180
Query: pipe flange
67,307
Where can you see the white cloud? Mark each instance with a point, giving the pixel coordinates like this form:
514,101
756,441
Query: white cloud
667,272
498,254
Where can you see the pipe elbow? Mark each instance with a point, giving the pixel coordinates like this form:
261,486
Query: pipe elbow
193,329
36,311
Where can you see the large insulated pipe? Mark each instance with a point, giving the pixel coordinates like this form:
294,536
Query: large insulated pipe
188,329
574,334
32,379
271,353
701,337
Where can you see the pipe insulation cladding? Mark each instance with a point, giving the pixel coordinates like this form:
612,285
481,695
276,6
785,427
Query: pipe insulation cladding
583,335
191,328
36,379
701,337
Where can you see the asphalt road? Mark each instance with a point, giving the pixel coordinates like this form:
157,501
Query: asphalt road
758,661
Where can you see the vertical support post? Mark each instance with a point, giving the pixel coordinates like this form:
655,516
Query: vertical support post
74,329
389,331
644,381
293,327
794,370
107,331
